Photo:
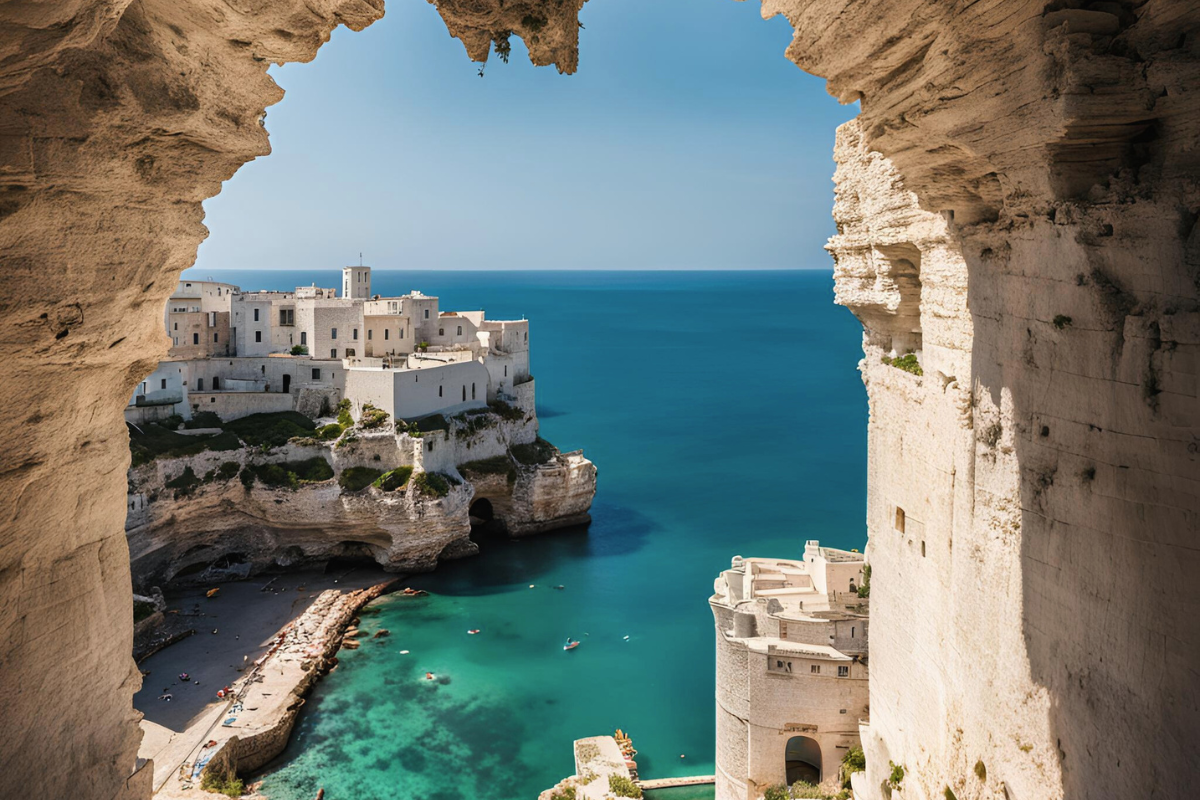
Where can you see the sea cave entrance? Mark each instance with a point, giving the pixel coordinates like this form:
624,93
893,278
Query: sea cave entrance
803,760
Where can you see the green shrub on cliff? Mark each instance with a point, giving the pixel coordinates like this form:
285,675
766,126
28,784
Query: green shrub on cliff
230,785
854,761
152,441
203,419
496,465
622,786
396,479
372,417
536,452
227,470
355,479
343,414
271,429
907,362
436,484
290,474
506,411
865,589
328,433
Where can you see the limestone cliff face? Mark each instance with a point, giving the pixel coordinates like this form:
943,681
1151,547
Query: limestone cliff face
1058,138
223,529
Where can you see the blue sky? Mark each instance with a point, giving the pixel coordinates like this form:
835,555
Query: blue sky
685,141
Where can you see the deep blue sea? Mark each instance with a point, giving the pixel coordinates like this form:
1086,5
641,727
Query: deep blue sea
726,416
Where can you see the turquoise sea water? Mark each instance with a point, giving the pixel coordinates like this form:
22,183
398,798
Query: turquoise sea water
726,416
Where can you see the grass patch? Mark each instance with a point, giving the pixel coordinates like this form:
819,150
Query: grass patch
565,793
394,480
537,452
355,479
435,484
328,433
622,786
229,785
271,429
372,417
343,414
907,362
290,474
496,465
154,441
203,419
505,411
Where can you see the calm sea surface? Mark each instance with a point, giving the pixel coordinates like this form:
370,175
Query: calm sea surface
726,416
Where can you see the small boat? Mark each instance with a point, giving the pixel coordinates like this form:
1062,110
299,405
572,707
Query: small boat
570,645
212,592
473,631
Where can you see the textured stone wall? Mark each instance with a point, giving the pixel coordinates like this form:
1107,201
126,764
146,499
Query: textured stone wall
1059,138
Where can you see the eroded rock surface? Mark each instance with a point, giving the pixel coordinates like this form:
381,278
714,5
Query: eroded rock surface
1061,140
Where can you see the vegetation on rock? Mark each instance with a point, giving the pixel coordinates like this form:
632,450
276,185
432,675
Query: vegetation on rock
203,419
394,480
343,414
436,484
290,474
230,785
536,452
372,417
864,591
271,429
907,362
153,441
622,786
496,465
855,759
356,479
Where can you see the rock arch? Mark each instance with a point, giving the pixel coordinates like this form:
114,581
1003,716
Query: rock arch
1055,139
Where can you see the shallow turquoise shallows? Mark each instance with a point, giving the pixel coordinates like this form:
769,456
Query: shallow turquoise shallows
726,416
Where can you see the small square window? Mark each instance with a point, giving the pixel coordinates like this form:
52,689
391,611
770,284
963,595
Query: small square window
316,374
815,669
843,672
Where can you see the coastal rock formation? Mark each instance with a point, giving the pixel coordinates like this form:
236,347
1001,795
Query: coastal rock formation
227,524
1059,139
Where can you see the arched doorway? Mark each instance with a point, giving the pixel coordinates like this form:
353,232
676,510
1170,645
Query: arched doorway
803,759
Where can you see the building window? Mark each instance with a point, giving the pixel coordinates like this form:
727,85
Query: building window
851,631
264,369
460,330
176,326
402,333
333,333
216,383
256,315
164,383
385,333
355,334
287,316
195,338
427,313
303,337
899,519
199,384
349,352
843,672
370,334
527,336
506,370
441,331
214,338
258,336
464,393
472,391
815,669
922,548
439,391
333,353
316,373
